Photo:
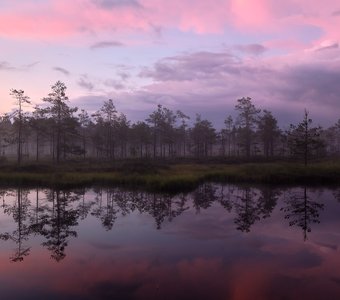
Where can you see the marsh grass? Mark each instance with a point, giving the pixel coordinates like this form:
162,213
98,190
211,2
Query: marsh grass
170,178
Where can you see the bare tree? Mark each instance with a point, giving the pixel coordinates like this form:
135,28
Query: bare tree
21,100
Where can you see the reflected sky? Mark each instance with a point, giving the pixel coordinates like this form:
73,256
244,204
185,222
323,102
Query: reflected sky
218,242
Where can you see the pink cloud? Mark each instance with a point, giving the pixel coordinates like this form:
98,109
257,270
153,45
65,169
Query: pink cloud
250,14
65,18
33,27
291,45
288,83
198,79
282,17
61,18
198,16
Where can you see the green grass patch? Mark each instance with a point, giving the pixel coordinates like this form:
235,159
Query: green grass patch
170,178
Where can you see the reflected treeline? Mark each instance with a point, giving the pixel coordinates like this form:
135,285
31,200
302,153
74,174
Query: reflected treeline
249,204
20,212
59,225
53,215
301,210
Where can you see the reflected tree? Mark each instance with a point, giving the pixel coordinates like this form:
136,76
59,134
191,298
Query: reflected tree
20,211
127,201
180,206
204,196
336,194
106,209
38,215
53,214
162,208
84,207
247,208
268,200
224,197
59,226
158,208
112,202
252,205
301,211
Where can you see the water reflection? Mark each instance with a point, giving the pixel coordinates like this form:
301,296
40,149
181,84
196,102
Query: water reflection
20,212
301,210
59,224
107,243
54,214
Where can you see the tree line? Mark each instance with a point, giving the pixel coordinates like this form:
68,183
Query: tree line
55,131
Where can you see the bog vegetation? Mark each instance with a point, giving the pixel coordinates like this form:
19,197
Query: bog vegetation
56,132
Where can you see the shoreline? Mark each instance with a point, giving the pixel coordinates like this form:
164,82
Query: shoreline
173,177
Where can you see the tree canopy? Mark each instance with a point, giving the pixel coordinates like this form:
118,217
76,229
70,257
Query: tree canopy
56,131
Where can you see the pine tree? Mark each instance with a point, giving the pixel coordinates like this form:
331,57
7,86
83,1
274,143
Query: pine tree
303,139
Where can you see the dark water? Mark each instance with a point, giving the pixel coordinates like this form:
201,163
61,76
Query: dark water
218,242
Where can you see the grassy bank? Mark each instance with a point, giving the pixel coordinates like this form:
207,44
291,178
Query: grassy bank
170,178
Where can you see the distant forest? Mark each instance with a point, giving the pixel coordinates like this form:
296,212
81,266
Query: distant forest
56,132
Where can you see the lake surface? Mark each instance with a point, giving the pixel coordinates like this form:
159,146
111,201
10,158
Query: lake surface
218,242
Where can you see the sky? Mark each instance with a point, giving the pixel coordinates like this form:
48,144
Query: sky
198,56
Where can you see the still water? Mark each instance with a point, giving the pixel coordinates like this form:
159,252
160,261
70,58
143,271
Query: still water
217,242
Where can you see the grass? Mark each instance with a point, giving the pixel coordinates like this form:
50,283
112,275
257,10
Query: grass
169,178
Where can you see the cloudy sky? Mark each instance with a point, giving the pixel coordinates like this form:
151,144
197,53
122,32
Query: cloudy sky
199,56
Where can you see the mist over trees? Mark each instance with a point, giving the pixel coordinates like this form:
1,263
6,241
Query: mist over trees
55,131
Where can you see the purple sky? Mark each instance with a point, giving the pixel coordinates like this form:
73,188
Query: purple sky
199,56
